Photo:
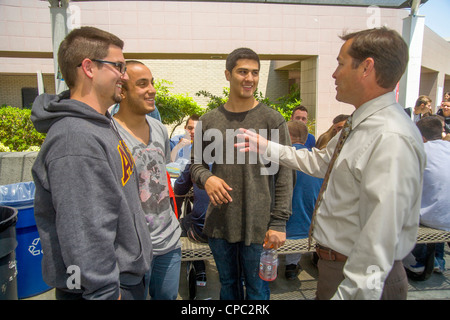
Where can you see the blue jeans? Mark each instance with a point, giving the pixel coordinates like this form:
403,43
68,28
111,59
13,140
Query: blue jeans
164,278
420,253
236,262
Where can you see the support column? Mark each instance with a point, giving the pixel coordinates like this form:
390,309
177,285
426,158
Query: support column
439,92
308,87
413,30
40,81
58,13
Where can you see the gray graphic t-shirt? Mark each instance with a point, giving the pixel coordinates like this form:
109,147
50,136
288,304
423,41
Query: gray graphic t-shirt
150,163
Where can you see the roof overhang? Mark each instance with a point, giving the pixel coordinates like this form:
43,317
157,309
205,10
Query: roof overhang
397,4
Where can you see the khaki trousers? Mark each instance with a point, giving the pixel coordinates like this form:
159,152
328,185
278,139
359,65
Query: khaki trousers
331,275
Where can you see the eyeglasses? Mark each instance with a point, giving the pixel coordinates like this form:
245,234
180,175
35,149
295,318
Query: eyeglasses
121,67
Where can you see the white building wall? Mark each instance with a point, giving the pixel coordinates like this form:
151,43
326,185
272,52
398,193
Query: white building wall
186,29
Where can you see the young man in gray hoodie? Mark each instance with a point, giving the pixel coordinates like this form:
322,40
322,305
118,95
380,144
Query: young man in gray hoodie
93,231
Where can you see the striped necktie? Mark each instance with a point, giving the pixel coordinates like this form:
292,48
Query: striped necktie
344,134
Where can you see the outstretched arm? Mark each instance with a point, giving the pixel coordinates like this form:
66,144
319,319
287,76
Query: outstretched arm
252,142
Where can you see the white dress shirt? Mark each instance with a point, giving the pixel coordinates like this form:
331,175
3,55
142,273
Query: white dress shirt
370,209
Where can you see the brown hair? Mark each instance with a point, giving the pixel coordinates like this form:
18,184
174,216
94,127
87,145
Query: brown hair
340,118
82,43
128,63
300,107
298,130
240,53
430,127
386,47
193,117
423,100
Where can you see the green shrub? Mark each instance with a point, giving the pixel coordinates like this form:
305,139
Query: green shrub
4,148
17,132
284,105
174,108
214,101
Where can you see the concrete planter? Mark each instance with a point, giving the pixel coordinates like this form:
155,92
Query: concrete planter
16,166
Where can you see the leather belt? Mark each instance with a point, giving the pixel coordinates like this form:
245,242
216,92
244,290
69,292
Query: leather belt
328,254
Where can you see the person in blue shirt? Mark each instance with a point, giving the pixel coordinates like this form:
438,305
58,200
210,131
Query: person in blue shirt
306,191
192,223
154,114
435,204
300,113
179,142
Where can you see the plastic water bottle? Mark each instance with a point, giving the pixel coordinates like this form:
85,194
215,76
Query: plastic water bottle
268,265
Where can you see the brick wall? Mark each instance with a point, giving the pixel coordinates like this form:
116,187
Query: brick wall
191,76
11,87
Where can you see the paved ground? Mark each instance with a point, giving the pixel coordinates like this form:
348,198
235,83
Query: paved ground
304,287
437,287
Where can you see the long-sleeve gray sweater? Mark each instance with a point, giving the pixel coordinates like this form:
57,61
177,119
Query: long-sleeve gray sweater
262,192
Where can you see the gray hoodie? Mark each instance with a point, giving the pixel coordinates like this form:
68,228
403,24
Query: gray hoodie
87,207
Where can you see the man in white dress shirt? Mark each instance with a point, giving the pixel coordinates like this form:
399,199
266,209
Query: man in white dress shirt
368,218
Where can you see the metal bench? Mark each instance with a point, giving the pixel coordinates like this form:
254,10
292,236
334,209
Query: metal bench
191,251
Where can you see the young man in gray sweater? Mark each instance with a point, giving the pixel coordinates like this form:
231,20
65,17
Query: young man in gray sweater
92,228
250,199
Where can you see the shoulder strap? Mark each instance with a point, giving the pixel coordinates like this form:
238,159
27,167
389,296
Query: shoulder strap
172,195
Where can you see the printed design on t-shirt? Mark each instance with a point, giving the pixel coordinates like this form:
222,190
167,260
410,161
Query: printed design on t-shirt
153,189
127,161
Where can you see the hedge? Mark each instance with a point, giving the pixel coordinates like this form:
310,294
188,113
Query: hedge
17,132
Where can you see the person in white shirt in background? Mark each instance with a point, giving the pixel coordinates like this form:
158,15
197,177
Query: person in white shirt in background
444,112
422,108
368,219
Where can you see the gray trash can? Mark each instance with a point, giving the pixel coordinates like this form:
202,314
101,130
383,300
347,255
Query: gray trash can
8,244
